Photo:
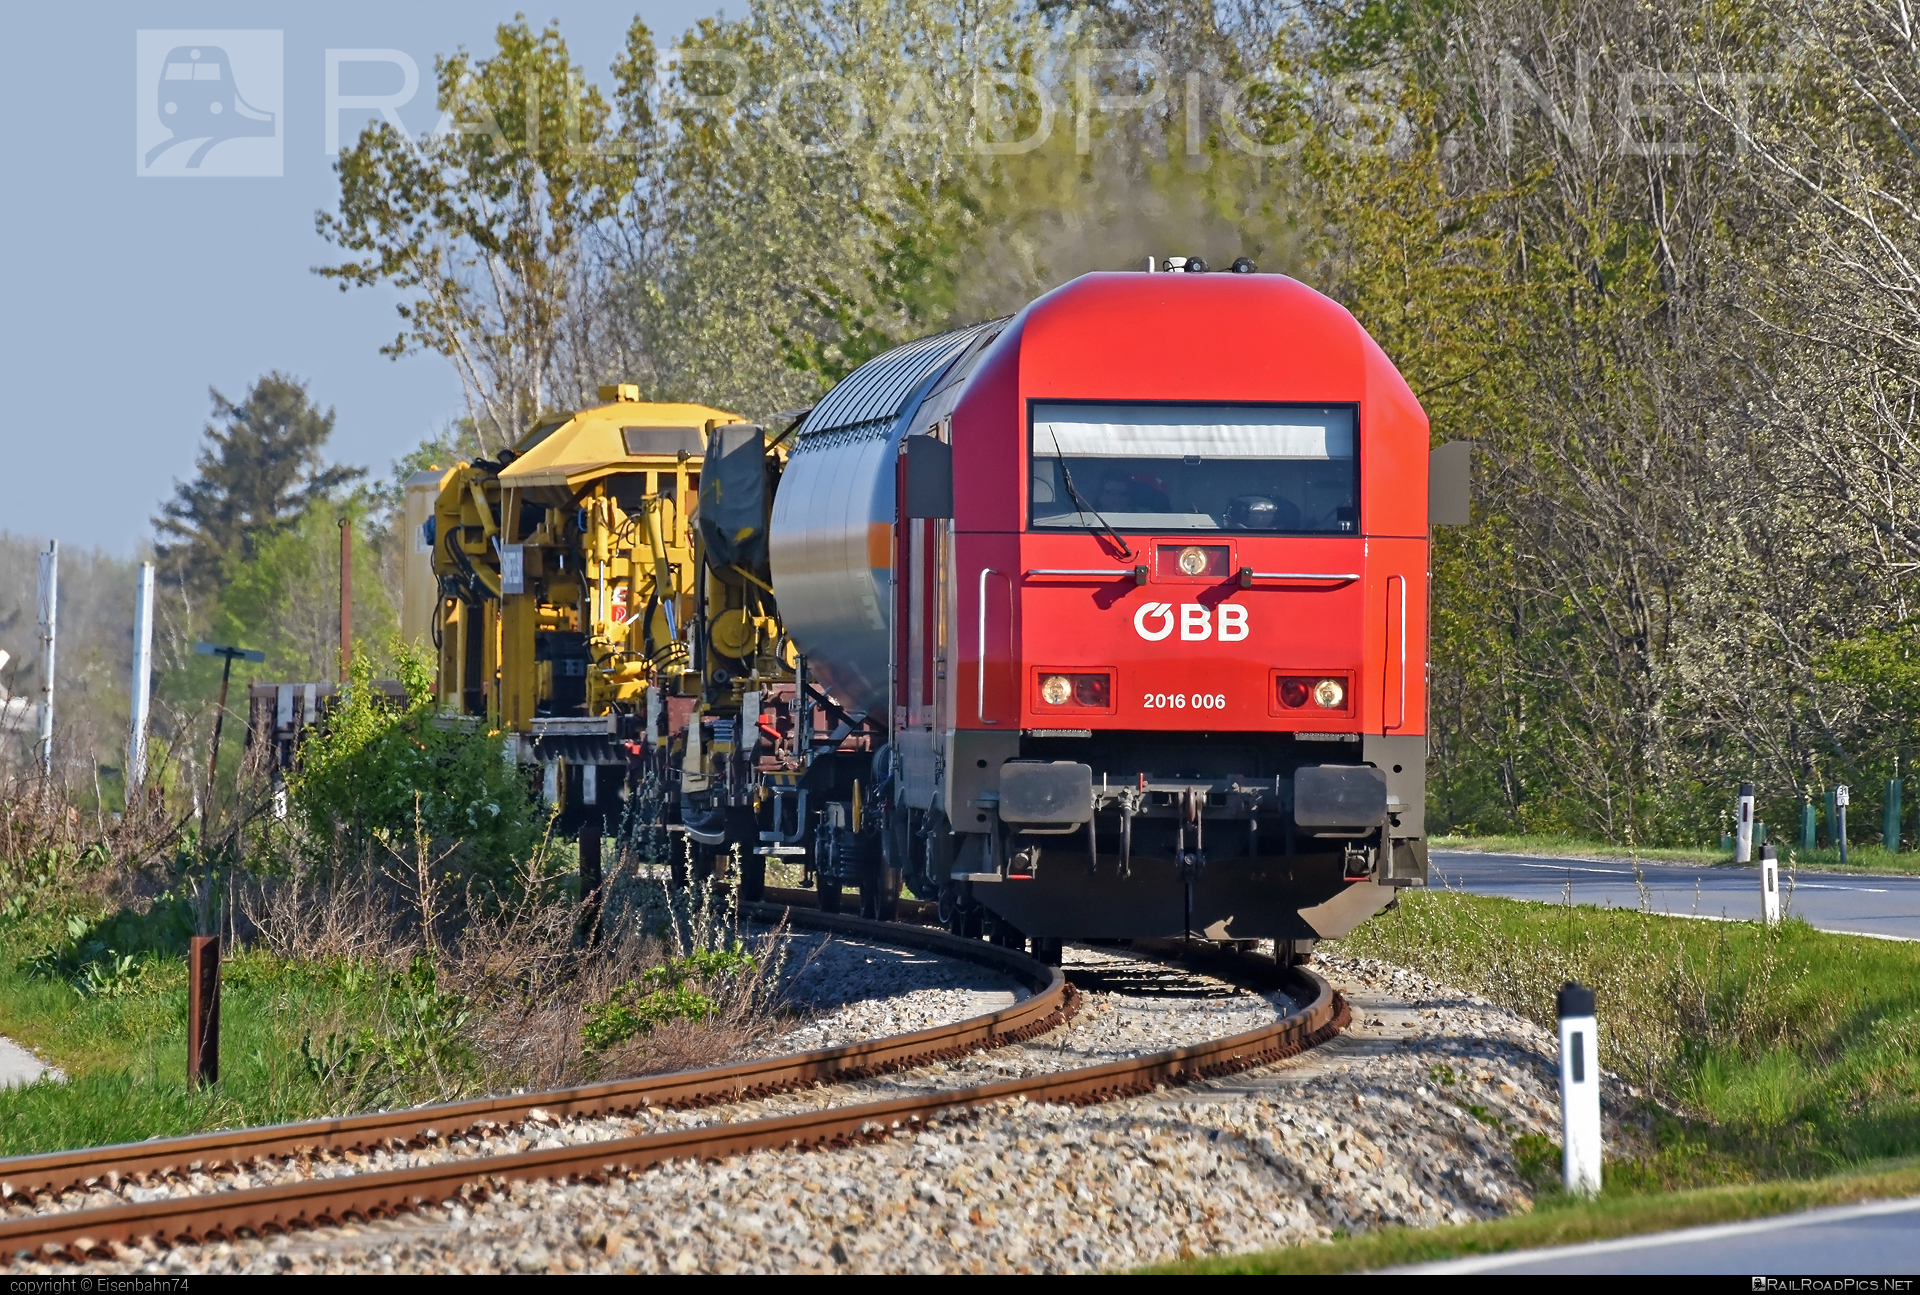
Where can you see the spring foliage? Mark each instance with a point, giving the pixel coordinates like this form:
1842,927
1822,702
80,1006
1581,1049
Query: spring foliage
388,775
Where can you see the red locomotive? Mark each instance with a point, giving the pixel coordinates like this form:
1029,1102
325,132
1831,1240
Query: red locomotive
1117,614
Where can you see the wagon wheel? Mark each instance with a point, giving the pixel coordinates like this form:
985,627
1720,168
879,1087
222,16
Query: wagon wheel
753,878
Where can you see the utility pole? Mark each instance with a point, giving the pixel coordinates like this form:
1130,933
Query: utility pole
346,598
142,682
49,618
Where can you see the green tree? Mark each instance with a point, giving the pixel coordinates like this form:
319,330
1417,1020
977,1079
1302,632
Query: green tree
486,230
258,470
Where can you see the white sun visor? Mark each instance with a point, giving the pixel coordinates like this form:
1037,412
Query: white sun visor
1181,431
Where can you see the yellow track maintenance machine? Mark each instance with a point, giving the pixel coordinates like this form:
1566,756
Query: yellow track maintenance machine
605,602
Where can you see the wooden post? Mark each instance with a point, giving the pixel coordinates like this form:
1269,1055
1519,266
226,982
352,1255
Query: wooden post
591,876
203,1011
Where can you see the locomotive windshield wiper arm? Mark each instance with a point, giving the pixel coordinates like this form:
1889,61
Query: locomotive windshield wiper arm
1066,475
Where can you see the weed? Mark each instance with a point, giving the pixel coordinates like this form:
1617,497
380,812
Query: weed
628,1011
1536,1159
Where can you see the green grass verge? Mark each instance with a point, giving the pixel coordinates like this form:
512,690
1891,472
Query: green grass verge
298,1040
1790,1052
1860,858
126,1055
1568,1223
1786,1061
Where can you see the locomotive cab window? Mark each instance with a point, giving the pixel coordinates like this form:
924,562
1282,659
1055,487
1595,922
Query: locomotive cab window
1285,469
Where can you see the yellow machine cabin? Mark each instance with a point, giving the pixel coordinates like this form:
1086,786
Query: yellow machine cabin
567,568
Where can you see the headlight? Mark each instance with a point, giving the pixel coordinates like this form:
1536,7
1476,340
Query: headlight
1329,693
1090,690
1293,693
1193,560
1055,689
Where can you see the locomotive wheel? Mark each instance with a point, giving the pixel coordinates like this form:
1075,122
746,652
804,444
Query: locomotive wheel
753,878
829,894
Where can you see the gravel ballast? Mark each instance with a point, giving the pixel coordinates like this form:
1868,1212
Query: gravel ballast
1407,1118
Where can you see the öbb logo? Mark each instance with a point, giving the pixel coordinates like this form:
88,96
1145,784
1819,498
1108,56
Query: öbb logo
1226,622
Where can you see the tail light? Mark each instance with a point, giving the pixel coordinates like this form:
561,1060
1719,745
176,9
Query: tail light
1083,691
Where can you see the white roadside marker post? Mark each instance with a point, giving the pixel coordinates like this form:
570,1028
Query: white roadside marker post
1743,829
1579,1091
1770,885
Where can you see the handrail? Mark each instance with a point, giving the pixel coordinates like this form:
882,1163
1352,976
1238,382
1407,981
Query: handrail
1300,575
1082,571
980,678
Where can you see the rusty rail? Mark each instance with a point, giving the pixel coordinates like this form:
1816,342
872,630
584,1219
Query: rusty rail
326,1201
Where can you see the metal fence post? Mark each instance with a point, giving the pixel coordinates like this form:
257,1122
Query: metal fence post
142,683
1579,1090
203,1010
1770,885
1890,819
1807,825
49,590
1743,826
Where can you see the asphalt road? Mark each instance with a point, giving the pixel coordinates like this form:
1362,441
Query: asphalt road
1879,1239
1849,903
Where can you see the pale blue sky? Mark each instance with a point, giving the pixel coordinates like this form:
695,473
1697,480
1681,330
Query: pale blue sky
127,296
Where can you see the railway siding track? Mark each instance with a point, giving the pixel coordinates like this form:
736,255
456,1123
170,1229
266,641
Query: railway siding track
224,1215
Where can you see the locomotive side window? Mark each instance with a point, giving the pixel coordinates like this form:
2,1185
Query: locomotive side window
1287,469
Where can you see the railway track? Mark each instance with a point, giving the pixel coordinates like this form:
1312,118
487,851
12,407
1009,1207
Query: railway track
323,1201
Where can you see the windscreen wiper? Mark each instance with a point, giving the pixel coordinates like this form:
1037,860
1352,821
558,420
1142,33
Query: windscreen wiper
1066,475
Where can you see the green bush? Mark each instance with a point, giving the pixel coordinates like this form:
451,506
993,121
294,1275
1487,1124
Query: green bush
378,773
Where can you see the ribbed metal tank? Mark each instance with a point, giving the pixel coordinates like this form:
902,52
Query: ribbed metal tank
835,508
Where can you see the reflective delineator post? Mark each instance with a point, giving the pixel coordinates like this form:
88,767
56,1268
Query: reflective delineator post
1770,885
1841,796
1743,826
1579,1091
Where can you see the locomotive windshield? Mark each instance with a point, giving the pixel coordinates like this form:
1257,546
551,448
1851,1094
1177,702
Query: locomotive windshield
1288,469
